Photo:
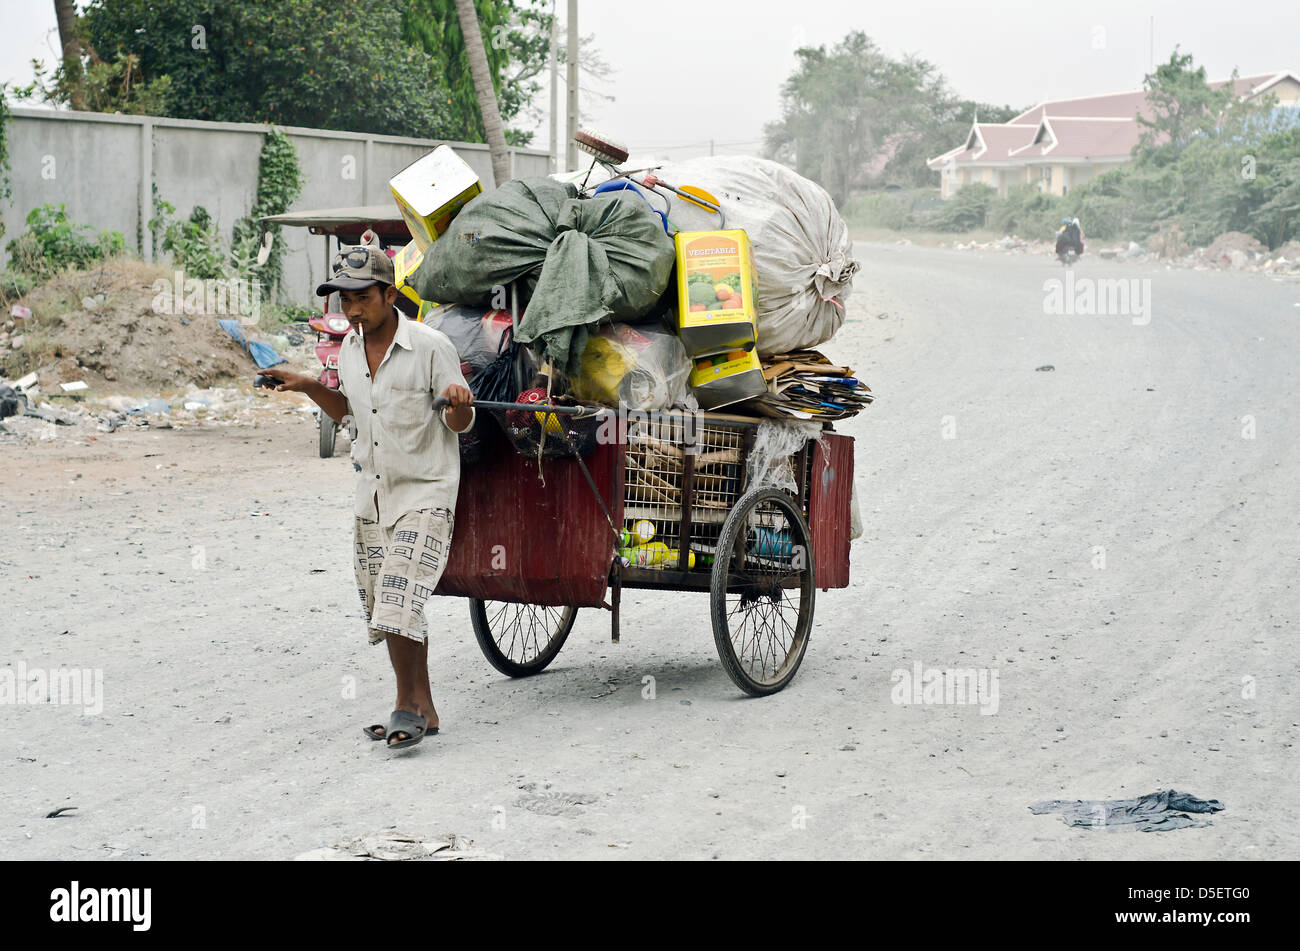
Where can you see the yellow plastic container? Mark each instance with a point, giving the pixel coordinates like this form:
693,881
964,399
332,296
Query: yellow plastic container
655,555
404,265
431,190
716,292
719,381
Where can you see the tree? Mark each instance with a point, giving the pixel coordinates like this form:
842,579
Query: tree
97,86
1182,105
949,123
65,12
518,41
841,107
487,97
291,62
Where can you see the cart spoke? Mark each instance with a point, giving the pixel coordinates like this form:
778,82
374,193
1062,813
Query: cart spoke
767,603
523,632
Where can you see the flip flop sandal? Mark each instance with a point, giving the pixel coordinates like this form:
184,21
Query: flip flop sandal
413,726
377,731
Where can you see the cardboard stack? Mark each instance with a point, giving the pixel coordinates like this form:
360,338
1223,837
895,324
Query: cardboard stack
806,385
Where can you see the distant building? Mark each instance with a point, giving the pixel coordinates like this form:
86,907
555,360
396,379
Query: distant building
1062,144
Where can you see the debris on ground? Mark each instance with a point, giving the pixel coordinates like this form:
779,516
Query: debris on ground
398,847
1154,812
194,407
1232,250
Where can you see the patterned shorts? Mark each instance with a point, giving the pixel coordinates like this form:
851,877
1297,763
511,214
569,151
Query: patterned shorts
398,569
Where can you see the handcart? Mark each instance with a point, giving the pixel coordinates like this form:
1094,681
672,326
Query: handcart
537,539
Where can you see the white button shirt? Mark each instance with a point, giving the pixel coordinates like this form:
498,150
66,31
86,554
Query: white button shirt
409,456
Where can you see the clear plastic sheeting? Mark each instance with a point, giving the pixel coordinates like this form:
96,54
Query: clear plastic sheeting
774,443
637,368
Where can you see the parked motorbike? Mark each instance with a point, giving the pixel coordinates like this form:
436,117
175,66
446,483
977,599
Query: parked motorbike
332,328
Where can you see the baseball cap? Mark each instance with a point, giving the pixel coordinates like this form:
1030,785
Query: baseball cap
358,267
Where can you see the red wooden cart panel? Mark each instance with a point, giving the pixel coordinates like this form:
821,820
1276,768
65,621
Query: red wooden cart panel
828,509
519,540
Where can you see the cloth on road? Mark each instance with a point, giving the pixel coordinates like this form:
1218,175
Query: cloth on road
1154,812
397,569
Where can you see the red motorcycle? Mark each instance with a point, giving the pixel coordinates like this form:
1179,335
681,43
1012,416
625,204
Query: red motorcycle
330,330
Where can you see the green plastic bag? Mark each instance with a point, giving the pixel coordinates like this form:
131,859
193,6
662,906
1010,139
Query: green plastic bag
581,261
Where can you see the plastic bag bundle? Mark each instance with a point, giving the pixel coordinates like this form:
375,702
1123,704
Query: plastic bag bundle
469,330
636,367
581,261
803,257
497,238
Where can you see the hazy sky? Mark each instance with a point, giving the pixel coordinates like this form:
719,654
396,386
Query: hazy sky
687,71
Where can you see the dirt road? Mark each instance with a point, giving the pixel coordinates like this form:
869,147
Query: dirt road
1116,539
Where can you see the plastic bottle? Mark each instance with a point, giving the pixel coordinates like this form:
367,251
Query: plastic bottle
654,555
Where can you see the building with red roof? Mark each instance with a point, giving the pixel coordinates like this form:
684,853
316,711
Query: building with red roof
1061,144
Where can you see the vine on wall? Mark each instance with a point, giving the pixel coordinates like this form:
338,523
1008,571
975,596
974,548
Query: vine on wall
279,183
5,191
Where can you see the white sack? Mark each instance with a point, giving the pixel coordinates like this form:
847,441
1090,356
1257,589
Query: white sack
802,253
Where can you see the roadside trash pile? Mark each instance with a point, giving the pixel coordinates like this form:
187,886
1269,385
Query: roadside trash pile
704,284
26,413
1232,250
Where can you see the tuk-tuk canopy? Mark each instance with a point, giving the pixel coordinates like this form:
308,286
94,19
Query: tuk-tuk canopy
347,224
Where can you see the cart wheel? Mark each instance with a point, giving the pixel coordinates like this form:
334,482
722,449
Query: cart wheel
762,591
520,639
328,430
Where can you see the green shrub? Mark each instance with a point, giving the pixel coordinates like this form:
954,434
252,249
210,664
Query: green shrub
965,211
879,210
52,244
14,284
1026,211
193,244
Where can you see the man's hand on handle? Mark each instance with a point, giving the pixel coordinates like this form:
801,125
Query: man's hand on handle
332,402
294,382
459,400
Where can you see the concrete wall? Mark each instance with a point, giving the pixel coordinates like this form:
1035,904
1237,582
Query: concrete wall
102,168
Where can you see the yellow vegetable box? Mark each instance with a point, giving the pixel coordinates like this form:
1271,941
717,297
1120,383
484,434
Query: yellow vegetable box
431,190
716,292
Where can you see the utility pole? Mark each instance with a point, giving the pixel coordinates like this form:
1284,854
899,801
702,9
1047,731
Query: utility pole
571,150
555,84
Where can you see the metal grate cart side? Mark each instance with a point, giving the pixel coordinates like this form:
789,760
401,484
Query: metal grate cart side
530,552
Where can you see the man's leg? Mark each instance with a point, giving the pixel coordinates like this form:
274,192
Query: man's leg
412,566
411,666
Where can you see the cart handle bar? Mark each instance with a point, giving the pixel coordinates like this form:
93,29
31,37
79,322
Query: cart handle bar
442,401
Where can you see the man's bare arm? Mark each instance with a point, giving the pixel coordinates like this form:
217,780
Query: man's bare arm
332,402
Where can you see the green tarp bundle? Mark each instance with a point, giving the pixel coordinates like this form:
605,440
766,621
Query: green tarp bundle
580,260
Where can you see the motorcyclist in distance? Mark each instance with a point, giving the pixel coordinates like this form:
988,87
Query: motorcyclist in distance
1070,235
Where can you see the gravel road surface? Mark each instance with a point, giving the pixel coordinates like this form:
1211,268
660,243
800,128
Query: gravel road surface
1116,540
